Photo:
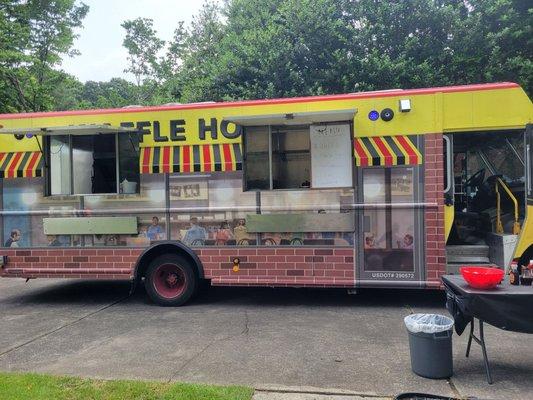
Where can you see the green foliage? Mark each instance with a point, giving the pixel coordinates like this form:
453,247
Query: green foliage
115,93
247,49
143,46
495,43
280,48
400,44
34,36
17,386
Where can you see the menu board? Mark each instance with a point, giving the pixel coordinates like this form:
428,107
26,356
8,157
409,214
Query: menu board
331,156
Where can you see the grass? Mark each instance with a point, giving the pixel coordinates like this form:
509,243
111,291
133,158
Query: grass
23,386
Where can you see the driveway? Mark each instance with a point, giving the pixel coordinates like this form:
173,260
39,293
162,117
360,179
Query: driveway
259,337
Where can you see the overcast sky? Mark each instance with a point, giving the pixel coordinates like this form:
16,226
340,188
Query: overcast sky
100,42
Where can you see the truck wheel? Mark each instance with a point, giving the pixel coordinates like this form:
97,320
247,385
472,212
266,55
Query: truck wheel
170,280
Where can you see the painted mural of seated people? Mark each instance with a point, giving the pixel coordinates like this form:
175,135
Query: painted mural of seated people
223,234
296,238
240,232
53,241
407,242
348,236
313,235
272,239
339,239
111,240
143,231
155,231
14,238
370,242
196,234
138,240
394,234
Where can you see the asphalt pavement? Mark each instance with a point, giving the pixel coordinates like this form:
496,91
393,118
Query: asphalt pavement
281,341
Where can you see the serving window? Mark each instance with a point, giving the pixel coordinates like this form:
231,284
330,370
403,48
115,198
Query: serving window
296,157
93,164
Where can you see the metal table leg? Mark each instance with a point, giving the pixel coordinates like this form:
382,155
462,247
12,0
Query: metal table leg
481,342
484,348
470,338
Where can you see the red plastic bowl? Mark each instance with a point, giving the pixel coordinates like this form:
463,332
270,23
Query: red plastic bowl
482,277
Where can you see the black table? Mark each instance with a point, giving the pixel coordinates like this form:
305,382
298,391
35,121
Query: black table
506,307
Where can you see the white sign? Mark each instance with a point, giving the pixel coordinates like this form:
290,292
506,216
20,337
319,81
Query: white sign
331,156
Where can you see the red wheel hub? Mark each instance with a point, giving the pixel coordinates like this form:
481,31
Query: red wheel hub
170,280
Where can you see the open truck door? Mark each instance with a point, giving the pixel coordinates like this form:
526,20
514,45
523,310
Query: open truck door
449,208
524,249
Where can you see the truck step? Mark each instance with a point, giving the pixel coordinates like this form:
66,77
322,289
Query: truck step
481,250
464,259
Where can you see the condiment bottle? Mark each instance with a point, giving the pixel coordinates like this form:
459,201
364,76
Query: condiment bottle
514,275
526,278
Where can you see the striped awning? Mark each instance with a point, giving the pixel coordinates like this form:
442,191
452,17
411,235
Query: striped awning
191,158
21,165
386,151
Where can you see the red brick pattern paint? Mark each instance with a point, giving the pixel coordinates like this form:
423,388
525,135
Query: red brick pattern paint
259,266
323,267
263,266
434,217
90,263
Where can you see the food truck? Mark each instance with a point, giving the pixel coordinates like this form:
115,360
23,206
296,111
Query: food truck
379,189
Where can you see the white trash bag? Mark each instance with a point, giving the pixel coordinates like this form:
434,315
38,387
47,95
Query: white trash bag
427,323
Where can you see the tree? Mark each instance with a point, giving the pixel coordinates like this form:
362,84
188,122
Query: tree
259,49
117,92
143,47
66,93
401,44
269,48
34,36
197,50
495,43
279,48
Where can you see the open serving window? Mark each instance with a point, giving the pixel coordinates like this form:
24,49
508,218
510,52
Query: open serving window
79,159
297,150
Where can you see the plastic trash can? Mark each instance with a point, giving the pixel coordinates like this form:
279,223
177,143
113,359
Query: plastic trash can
430,345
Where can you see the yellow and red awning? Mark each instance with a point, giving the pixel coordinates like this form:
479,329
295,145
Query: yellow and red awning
386,151
21,165
191,158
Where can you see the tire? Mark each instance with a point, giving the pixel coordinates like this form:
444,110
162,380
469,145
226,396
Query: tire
170,280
